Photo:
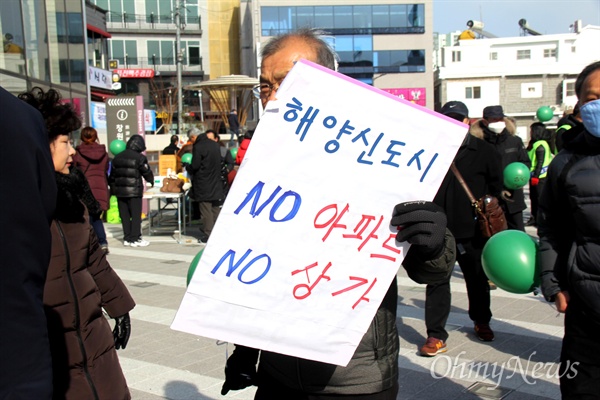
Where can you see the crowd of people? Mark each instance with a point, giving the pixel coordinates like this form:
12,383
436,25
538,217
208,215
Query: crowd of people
59,344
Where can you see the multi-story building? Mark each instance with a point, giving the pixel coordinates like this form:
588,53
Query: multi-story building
44,45
143,47
385,43
521,73
144,50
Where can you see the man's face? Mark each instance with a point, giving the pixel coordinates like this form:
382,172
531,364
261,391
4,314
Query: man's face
211,136
590,90
275,67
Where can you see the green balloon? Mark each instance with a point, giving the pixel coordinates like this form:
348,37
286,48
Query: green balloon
544,113
509,260
117,146
516,175
193,266
233,151
186,158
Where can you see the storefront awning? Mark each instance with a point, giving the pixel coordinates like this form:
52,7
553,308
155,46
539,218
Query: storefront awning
100,96
98,31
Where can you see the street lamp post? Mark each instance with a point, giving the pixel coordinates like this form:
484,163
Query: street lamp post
179,59
170,109
201,105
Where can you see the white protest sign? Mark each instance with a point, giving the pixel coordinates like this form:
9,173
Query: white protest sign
302,253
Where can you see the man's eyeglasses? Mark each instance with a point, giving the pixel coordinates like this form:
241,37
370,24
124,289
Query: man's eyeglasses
264,90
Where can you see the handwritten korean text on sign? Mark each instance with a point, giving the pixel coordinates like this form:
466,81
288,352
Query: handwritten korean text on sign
303,253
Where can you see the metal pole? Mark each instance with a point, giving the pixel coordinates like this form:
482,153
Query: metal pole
170,110
201,106
179,60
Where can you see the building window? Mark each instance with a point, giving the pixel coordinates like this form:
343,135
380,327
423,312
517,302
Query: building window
162,52
549,53
194,53
118,10
362,64
159,11
456,56
125,51
523,54
531,90
570,89
493,56
345,20
473,92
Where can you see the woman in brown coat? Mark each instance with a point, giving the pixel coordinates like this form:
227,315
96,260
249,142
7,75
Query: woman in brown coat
80,282
92,159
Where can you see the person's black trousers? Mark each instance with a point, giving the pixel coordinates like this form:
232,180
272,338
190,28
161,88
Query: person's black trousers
269,389
437,308
579,370
534,196
468,256
130,211
438,297
515,221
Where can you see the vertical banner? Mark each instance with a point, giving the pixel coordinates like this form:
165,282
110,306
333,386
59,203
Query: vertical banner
98,111
124,117
303,251
150,120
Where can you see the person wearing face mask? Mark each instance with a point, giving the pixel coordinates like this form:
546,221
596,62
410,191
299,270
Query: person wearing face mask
479,165
500,131
569,250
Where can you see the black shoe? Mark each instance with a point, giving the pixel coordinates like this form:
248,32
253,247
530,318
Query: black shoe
531,222
203,240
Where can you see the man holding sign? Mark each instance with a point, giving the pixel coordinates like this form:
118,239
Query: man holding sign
372,372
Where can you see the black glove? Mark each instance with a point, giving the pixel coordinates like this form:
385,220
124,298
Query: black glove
122,331
423,225
240,371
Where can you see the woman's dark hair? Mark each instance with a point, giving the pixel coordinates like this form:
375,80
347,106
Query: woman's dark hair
60,118
89,135
587,71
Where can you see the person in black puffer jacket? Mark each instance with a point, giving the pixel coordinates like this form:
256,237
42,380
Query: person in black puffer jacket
500,131
128,169
207,185
569,250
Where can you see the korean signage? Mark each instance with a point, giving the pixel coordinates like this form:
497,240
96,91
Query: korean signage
100,78
99,117
302,256
124,117
135,73
414,95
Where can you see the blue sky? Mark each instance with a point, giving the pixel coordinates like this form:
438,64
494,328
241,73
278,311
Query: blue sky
501,17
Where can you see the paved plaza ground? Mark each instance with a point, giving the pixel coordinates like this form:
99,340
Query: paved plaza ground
160,363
